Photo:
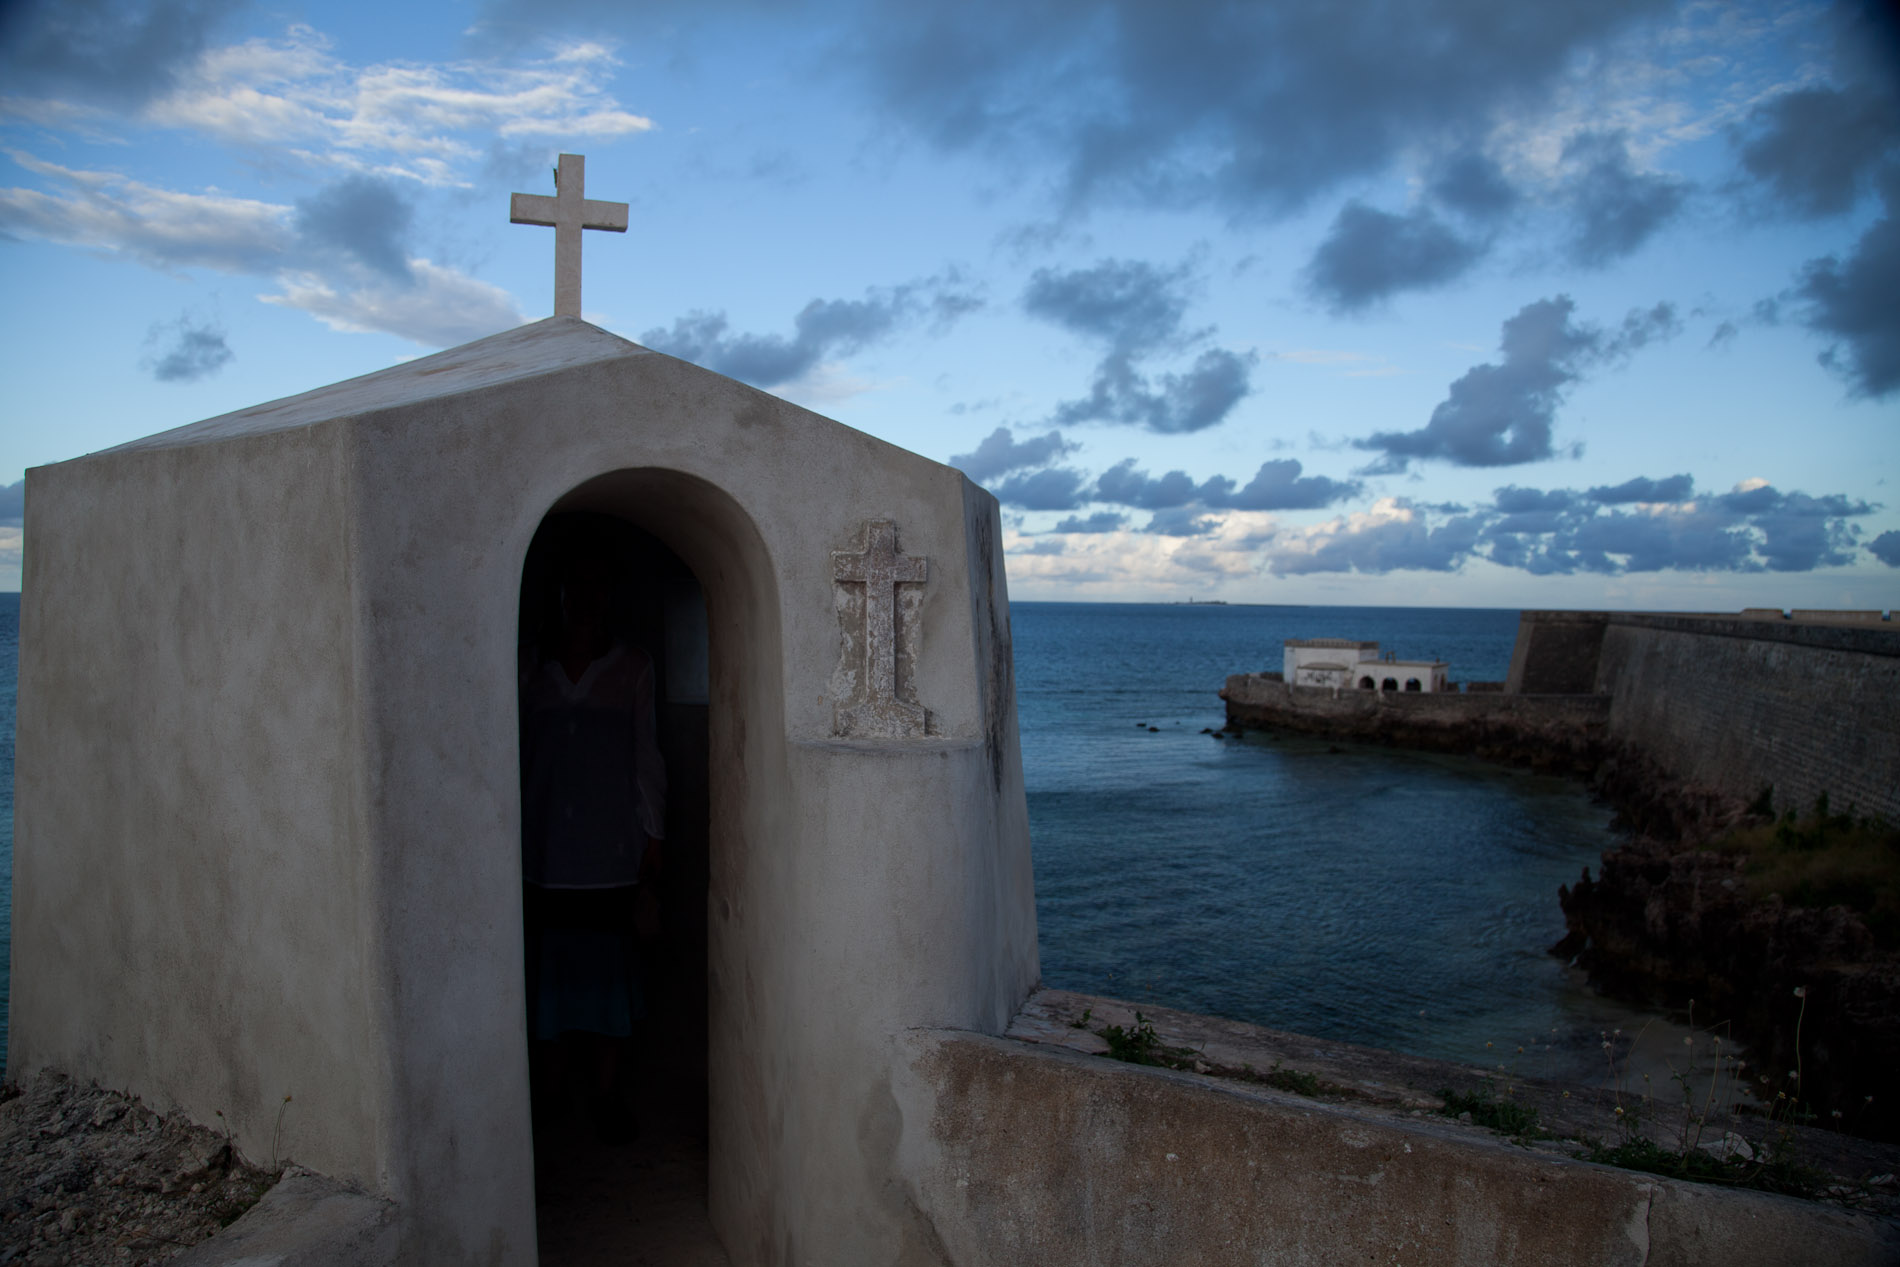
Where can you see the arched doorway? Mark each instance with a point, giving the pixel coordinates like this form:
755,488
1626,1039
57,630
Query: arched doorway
1390,684
620,1105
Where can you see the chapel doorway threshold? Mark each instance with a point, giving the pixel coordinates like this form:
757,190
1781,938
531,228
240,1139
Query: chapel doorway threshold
631,1204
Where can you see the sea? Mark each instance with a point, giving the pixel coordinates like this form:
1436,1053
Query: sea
1373,895
1397,899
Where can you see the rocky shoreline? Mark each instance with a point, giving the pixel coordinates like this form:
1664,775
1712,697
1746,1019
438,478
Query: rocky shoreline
1667,921
1808,990
89,1177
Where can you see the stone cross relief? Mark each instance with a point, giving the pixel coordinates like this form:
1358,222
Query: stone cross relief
878,593
567,213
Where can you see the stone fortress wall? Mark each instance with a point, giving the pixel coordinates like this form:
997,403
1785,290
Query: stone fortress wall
1808,704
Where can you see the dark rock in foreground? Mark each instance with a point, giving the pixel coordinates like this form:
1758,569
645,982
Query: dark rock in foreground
1672,925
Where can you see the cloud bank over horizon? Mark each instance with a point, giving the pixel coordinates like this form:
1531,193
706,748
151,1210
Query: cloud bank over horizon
1217,293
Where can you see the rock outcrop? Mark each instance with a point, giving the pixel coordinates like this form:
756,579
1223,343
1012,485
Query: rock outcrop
1667,920
1673,925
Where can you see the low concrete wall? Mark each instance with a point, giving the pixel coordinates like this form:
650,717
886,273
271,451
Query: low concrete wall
1019,1153
1738,704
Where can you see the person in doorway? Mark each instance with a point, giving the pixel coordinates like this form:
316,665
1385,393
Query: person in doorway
593,815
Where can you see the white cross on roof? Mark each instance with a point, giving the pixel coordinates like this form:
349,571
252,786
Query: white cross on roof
567,213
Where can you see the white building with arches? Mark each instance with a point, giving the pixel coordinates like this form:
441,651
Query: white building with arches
1345,664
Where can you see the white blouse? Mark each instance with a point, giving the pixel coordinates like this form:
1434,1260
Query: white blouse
593,784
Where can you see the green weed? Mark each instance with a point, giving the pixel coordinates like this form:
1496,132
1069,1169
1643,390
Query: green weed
1291,1080
1507,1117
1824,859
1138,1044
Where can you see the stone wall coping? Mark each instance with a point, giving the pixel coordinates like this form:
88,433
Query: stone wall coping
1828,637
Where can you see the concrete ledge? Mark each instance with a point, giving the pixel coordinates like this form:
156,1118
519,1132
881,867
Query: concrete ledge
305,1221
1043,1155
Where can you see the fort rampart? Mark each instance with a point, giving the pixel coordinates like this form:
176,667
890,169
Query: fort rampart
1741,704
1730,704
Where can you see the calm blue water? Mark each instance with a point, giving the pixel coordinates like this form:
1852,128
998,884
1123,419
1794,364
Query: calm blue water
1383,897
1398,899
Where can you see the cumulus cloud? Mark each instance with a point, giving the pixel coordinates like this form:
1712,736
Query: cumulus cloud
1278,485
365,218
1675,488
822,329
1112,556
436,307
1370,255
1615,208
13,503
1058,488
1000,452
348,277
185,350
1124,485
1683,539
1131,305
1814,150
1109,521
162,228
75,63
1393,535
1136,309
1753,527
1258,108
1501,413
1180,521
1169,403
1850,300
1512,500
428,122
1473,185
115,53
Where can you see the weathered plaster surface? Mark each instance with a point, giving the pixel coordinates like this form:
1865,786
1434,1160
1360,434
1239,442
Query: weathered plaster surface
268,832
1018,1153
305,1221
194,918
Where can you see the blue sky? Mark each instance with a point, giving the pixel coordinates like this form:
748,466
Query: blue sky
1462,302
